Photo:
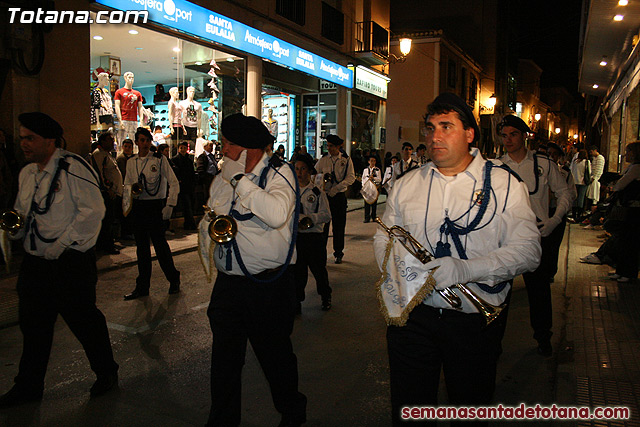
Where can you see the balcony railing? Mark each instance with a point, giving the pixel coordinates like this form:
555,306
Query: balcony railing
371,38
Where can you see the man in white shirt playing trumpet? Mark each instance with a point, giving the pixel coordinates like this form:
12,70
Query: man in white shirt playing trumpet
476,219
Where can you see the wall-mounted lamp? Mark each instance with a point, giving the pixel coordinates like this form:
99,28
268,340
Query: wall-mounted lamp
489,105
537,116
405,48
557,130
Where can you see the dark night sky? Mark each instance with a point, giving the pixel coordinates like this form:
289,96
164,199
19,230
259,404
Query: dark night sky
549,35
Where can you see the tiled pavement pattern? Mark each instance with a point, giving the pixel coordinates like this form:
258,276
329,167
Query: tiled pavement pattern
602,332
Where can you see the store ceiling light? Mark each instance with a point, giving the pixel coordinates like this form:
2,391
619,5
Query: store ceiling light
176,49
618,18
133,32
603,63
198,63
138,48
595,86
623,2
97,37
230,59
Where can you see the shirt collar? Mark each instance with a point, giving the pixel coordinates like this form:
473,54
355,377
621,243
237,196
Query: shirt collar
53,162
475,169
262,163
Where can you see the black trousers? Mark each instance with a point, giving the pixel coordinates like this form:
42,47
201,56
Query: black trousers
105,238
370,211
458,343
539,291
185,200
147,227
312,255
555,238
66,286
338,207
242,310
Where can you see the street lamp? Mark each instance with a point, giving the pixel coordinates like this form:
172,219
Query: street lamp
557,130
537,117
405,46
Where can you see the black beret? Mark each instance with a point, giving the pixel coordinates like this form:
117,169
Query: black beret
41,124
307,160
448,100
246,131
514,121
335,140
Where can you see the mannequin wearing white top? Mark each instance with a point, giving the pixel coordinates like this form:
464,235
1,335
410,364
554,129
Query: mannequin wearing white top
175,118
191,115
101,104
128,106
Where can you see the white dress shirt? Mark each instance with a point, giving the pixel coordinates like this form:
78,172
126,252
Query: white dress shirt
505,244
342,165
263,240
374,173
402,167
158,175
549,178
77,208
309,201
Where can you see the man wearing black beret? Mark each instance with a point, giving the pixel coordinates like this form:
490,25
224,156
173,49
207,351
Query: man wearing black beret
336,169
542,176
60,201
253,297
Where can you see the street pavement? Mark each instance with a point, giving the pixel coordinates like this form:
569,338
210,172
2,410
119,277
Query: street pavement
163,345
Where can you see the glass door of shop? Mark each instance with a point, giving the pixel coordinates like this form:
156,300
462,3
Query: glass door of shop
319,120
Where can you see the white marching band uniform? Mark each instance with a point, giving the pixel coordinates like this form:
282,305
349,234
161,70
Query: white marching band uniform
504,244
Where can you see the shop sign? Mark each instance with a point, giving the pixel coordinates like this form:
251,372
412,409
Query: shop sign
370,82
324,85
189,18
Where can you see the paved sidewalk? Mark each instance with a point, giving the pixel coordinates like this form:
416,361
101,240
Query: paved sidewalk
602,333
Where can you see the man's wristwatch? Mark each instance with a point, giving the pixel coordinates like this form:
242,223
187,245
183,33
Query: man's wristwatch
234,181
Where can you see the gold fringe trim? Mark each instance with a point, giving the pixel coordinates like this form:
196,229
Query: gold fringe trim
425,290
208,273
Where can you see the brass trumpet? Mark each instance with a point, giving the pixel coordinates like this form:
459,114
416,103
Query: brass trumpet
305,223
489,311
11,221
222,228
136,190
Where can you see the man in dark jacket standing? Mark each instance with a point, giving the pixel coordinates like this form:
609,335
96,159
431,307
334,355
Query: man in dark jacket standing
186,175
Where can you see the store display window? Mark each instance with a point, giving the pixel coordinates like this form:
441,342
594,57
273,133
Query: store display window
179,89
364,113
278,115
319,120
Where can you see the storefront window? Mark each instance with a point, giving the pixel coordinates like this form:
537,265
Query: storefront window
210,84
278,115
363,122
320,120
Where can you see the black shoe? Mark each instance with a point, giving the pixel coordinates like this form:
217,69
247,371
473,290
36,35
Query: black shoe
326,303
15,397
338,259
365,221
111,251
136,294
174,288
545,349
103,384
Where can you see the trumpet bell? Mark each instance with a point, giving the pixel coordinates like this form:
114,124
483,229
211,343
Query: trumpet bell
11,221
223,229
305,223
136,189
